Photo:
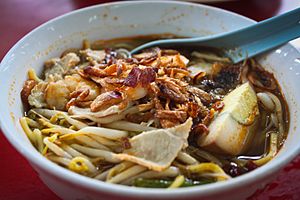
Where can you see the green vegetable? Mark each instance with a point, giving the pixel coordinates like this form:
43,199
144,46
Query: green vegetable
160,183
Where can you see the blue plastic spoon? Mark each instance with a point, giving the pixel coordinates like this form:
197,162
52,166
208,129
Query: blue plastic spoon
246,42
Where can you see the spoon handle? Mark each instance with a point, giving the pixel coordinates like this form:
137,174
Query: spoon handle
246,42
263,36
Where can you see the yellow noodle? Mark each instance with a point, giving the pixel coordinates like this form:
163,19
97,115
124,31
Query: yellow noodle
32,75
117,169
203,168
81,164
53,147
179,180
61,131
28,131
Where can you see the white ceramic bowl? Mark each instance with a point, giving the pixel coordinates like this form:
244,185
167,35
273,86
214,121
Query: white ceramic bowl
128,19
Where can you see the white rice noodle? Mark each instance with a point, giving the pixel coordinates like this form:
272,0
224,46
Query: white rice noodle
128,126
104,141
117,169
186,158
207,156
149,123
47,112
56,149
102,120
60,160
32,123
72,151
103,132
74,122
266,100
86,140
132,171
169,172
102,176
278,108
106,155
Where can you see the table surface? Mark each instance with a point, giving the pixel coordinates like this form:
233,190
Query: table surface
19,181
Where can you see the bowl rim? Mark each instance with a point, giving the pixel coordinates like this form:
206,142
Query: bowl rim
96,185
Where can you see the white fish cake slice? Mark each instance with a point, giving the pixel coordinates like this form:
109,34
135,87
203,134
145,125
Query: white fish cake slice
157,149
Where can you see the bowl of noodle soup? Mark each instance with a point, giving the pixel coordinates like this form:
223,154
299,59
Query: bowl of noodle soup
96,123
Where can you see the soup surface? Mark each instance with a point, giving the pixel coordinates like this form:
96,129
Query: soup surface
163,118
